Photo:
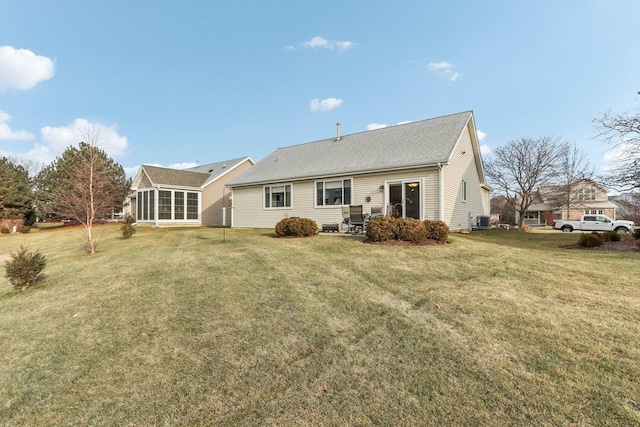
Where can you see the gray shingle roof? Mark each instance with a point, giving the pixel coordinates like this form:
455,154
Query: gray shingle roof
424,142
216,170
195,177
175,177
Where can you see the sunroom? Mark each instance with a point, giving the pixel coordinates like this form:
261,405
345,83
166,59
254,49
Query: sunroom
166,205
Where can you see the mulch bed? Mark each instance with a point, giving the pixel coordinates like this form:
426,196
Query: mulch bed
624,245
404,243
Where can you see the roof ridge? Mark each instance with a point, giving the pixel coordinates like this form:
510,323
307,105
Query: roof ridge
379,129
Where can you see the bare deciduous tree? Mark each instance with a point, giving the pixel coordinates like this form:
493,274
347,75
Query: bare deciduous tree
628,206
500,206
83,184
573,169
519,167
622,131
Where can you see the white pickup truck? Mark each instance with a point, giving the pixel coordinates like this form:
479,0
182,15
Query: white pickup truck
595,223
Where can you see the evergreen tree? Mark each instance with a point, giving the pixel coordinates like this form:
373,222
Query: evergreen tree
16,196
83,184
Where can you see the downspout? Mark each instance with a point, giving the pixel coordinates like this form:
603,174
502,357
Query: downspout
230,206
156,192
440,192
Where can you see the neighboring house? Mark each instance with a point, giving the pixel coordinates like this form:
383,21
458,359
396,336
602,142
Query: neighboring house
195,196
429,169
628,205
587,197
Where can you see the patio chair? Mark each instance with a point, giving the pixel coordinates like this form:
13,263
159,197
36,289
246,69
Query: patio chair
376,211
357,219
345,216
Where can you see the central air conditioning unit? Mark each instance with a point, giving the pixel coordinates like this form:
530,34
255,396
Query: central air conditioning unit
483,222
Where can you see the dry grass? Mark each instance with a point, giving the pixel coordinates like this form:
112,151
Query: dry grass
177,327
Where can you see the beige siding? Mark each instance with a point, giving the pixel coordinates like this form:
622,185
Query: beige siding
144,181
248,211
462,166
216,195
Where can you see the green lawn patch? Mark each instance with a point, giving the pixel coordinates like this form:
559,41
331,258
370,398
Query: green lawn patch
175,326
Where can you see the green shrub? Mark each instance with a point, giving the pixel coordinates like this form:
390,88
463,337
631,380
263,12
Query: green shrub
25,229
127,227
128,230
5,230
636,233
381,229
296,227
24,267
437,230
411,230
611,236
591,240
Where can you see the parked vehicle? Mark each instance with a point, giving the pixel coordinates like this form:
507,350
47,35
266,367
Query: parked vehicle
595,223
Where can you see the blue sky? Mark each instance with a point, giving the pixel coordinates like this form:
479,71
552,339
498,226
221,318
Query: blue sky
175,83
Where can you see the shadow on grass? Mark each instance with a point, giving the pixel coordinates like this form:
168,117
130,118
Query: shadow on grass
522,240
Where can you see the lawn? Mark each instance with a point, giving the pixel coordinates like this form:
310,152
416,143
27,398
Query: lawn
176,327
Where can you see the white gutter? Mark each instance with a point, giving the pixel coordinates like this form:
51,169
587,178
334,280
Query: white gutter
333,175
440,192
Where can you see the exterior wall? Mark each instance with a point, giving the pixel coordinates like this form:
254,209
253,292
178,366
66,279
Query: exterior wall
216,195
486,200
144,181
248,210
462,166
577,213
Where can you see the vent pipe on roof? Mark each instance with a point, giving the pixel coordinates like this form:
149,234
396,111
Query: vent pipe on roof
337,131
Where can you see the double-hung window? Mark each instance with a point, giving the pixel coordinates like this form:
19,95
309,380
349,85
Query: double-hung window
277,196
464,191
587,194
334,192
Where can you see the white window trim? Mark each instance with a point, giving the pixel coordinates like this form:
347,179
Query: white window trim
264,208
403,182
142,195
315,192
173,207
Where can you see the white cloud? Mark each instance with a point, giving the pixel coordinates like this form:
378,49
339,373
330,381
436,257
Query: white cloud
185,165
318,106
435,66
484,148
621,152
59,138
322,43
22,69
39,154
131,172
445,69
344,45
316,42
7,134
374,126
